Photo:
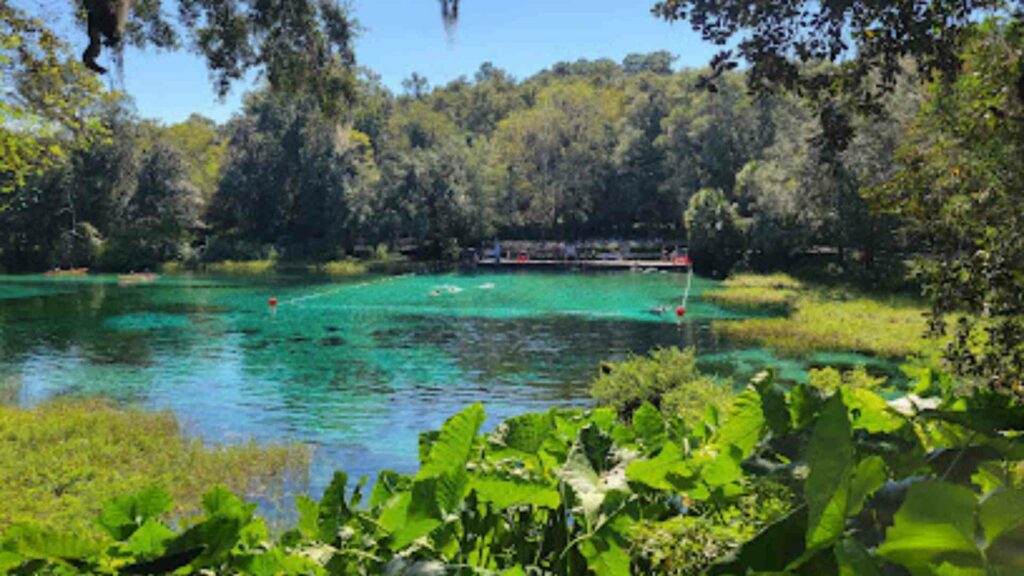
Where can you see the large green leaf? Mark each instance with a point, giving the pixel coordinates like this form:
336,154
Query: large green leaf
1005,554
36,543
853,560
527,433
276,562
868,477
579,475
1001,516
597,446
1001,511
773,402
505,491
804,402
123,515
830,455
725,468
149,540
333,510
389,483
744,425
451,487
309,517
213,538
655,472
221,502
606,550
871,412
934,526
452,448
409,517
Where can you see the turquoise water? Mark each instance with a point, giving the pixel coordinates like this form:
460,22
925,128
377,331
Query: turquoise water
355,368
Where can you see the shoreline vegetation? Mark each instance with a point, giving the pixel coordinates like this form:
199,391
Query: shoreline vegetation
347,267
822,319
62,460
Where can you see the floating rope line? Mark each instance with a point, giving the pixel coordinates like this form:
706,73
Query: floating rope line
341,289
681,310
689,283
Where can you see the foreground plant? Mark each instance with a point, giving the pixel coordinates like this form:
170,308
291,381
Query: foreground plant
800,481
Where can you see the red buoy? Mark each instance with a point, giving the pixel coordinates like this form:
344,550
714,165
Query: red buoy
681,311
272,302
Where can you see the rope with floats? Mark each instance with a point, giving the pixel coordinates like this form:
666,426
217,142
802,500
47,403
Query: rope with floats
681,310
273,302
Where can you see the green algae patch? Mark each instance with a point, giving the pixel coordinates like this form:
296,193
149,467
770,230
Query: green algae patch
63,460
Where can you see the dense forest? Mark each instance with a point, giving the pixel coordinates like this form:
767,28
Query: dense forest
582,150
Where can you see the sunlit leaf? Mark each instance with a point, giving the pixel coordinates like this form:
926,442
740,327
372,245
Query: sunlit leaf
453,445
830,455
935,525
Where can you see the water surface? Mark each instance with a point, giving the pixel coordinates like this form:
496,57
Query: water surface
355,368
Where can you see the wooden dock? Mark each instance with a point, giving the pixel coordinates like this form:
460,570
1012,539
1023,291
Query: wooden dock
660,265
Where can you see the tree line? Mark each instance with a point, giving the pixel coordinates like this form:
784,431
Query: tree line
582,150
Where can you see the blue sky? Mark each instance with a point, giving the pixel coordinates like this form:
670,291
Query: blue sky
403,36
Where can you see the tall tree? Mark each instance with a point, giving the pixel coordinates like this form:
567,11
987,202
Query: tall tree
958,191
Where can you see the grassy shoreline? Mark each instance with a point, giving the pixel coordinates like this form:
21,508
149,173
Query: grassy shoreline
63,459
818,319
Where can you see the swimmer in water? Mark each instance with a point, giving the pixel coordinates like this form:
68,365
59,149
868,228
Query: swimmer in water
434,293
659,310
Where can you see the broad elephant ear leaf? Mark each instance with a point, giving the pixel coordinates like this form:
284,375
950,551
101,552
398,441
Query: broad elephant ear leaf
123,515
454,443
528,432
853,559
830,455
934,526
150,539
1001,516
35,543
744,424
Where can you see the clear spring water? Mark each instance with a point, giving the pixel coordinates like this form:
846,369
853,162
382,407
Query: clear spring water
356,368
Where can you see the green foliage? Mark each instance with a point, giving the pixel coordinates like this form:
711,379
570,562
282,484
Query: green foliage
63,460
869,44
960,172
45,94
716,241
246,267
583,150
824,320
342,268
804,481
668,379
